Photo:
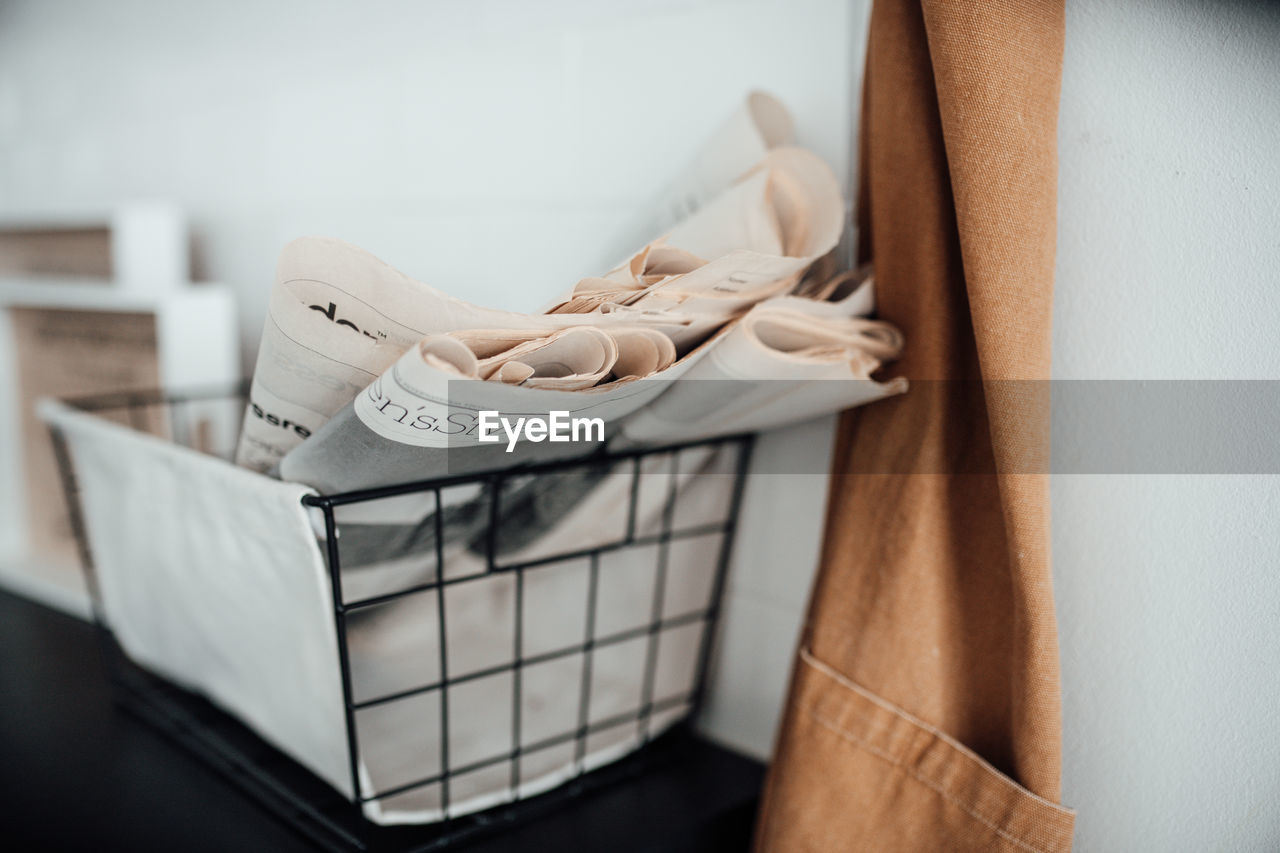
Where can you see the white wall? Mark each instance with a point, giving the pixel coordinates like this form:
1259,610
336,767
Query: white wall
1169,268
497,148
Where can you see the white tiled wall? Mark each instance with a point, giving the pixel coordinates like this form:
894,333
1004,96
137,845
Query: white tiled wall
768,590
500,149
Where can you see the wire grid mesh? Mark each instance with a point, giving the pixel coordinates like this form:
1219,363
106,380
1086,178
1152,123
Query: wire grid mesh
292,793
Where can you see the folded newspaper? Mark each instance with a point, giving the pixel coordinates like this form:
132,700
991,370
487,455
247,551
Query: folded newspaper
730,320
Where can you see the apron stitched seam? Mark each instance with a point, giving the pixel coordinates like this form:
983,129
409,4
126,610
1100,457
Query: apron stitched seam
938,789
826,669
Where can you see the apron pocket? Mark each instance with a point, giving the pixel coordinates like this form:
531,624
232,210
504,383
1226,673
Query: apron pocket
860,773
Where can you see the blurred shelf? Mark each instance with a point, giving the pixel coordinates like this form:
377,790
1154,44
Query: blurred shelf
35,291
60,587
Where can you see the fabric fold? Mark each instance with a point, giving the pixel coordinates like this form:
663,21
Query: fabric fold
934,591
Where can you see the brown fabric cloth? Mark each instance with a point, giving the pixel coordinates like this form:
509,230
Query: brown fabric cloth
924,707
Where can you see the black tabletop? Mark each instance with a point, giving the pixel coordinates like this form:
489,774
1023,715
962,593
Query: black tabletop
77,773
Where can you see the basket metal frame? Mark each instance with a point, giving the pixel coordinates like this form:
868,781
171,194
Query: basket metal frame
315,809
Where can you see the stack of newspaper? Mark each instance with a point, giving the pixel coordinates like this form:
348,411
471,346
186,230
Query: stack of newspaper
730,321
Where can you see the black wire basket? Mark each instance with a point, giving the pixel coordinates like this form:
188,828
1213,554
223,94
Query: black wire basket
314,807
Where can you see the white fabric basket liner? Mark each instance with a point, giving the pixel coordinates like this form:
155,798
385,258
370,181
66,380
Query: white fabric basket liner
212,577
